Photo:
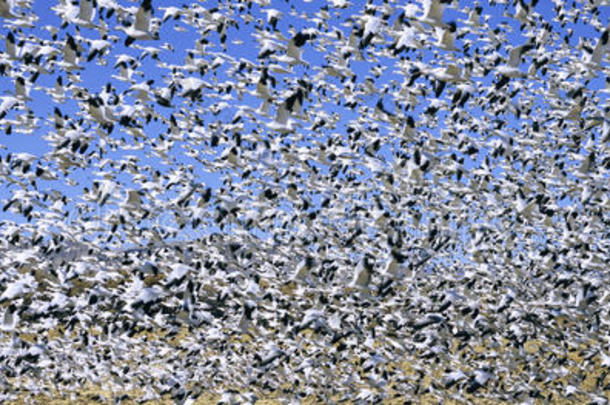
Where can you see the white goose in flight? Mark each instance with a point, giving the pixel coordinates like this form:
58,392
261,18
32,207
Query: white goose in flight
142,29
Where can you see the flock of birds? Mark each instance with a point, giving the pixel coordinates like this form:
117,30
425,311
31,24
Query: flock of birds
343,201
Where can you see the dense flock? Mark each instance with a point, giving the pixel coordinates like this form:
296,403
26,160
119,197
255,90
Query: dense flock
311,201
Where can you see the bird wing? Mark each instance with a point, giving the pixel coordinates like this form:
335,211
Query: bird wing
514,57
6,7
433,10
85,12
515,54
143,16
601,48
282,115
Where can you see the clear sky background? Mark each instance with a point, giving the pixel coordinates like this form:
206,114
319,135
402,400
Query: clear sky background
242,44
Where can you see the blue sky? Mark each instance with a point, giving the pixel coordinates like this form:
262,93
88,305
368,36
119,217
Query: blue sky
95,76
